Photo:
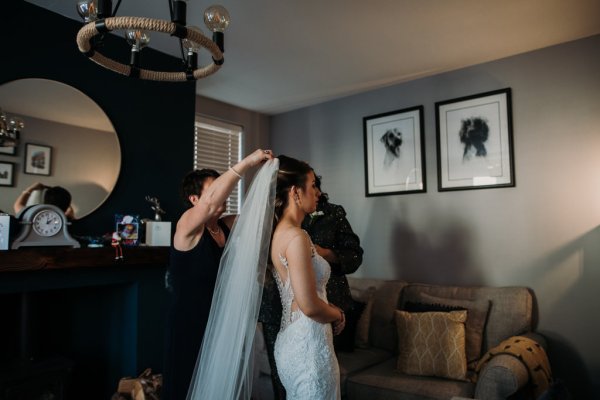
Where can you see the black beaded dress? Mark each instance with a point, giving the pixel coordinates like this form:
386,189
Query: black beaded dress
192,276
328,228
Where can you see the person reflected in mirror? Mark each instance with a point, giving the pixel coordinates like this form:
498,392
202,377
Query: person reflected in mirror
198,244
337,243
54,195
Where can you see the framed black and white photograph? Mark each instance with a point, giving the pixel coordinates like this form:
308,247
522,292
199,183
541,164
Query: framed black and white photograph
475,142
7,173
394,152
11,151
38,159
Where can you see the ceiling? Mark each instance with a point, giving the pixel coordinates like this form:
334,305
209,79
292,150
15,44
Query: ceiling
282,55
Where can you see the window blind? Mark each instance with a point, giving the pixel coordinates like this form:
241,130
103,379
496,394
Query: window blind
218,145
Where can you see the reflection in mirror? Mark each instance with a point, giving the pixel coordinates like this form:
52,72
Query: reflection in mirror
85,151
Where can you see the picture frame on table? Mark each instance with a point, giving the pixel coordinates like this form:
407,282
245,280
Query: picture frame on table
475,142
394,150
38,159
7,173
127,229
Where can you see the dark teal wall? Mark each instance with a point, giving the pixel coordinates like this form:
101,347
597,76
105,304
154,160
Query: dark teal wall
154,121
114,325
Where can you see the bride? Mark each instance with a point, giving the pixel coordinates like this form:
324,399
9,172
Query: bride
304,353
282,193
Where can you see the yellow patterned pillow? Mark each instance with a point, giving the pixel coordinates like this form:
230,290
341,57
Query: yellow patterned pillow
432,343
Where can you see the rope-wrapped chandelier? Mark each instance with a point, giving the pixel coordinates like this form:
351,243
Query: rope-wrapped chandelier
101,19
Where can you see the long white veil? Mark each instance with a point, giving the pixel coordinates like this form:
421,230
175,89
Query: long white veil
223,370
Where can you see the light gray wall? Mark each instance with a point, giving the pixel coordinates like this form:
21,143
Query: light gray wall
544,233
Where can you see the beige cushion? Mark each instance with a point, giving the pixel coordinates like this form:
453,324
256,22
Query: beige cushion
477,311
432,343
362,326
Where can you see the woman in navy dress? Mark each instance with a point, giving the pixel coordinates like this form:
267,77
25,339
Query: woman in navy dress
197,247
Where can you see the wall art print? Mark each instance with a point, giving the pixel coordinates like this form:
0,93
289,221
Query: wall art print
394,152
475,142
38,159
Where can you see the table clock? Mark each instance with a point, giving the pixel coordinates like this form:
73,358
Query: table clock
43,225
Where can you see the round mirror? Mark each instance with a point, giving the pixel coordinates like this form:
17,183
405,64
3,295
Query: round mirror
70,131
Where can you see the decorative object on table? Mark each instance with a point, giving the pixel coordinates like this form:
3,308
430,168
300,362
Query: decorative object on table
10,131
475,142
7,173
157,232
158,211
101,18
145,387
116,243
127,227
91,241
394,152
4,231
43,225
38,159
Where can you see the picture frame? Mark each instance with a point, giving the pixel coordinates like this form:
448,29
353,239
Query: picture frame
10,151
475,141
7,173
127,229
394,150
38,159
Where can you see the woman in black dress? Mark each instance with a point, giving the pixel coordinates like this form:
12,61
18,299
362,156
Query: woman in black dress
197,247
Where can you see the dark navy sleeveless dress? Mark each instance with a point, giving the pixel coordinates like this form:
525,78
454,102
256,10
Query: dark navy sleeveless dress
192,275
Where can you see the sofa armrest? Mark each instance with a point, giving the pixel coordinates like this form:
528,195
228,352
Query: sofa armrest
539,338
501,377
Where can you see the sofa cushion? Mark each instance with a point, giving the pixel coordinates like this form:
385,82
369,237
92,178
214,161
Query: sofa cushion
384,382
477,311
432,343
361,336
358,360
382,329
510,311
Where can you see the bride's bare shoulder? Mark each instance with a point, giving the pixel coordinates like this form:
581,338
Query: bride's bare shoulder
283,237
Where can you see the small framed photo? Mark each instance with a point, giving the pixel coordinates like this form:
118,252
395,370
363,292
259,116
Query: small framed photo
11,151
475,142
394,152
7,173
127,229
38,159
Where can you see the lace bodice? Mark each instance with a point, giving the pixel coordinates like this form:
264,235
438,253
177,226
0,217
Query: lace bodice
322,273
304,354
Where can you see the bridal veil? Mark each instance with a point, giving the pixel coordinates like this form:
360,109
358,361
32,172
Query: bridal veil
223,370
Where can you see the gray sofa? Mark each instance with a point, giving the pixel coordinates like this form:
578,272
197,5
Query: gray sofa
369,372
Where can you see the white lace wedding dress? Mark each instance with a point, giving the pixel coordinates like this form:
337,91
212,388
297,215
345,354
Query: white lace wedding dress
306,361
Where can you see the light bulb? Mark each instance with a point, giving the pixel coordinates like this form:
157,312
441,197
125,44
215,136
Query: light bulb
87,10
216,18
16,124
137,38
190,45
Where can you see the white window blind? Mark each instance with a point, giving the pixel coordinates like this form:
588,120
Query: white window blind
218,145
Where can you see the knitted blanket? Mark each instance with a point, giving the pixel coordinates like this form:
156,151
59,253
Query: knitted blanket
531,354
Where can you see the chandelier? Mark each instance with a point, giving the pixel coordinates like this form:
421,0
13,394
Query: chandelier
10,129
100,19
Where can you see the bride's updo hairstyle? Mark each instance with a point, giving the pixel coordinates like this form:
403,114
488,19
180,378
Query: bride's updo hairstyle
291,172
